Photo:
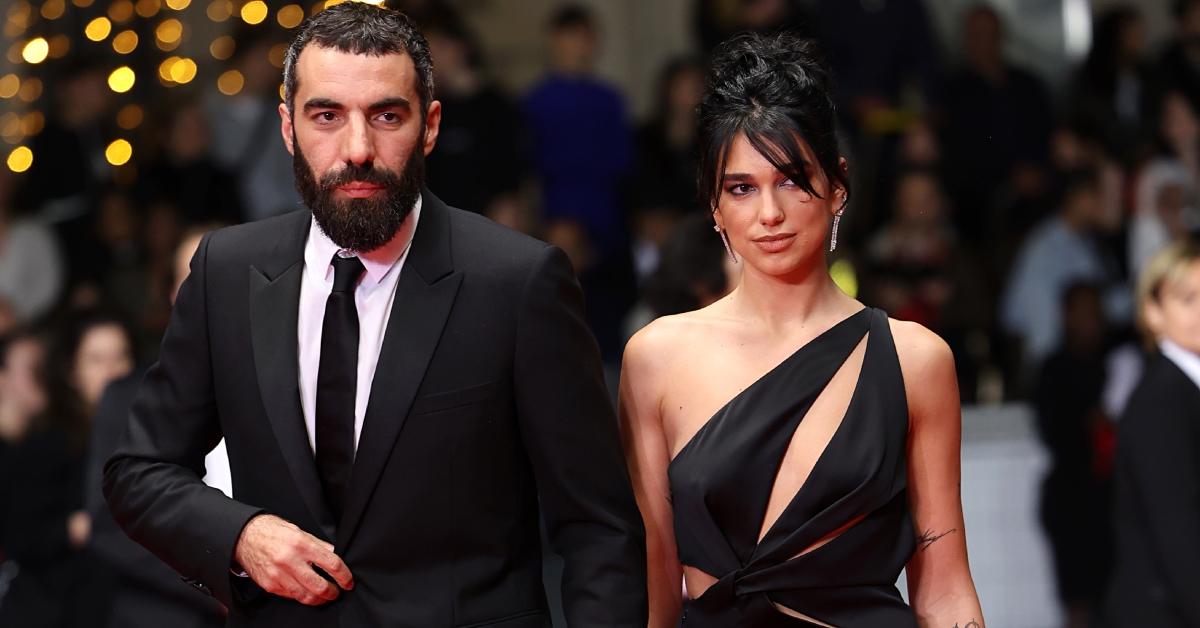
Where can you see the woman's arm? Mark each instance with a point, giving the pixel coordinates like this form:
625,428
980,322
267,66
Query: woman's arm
940,588
647,455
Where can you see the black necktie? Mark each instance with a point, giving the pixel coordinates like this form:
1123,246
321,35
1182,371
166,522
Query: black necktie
337,382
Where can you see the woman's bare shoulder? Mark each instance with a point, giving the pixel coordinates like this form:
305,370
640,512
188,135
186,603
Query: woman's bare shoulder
927,364
669,338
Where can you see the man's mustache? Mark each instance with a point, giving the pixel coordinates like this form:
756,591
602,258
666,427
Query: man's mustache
366,173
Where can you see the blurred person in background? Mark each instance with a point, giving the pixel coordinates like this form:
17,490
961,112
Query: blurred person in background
184,173
479,162
917,269
1157,472
244,127
22,402
1062,250
1112,91
582,151
1178,68
47,529
663,186
69,165
693,272
997,124
718,20
1164,211
32,269
1068,404
143,591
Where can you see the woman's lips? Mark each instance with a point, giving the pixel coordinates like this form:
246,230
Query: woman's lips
774,243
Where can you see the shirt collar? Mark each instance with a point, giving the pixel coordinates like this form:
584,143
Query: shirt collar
1187,361
319,250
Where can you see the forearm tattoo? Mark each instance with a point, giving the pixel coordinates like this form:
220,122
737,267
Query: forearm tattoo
970,624
928,538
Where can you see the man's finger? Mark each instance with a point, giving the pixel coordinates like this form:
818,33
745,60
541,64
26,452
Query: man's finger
333,565
316,585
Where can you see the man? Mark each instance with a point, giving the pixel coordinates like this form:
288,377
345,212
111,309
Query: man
398,383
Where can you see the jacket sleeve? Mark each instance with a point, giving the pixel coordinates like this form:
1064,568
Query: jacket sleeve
1159,445
152,482
569,429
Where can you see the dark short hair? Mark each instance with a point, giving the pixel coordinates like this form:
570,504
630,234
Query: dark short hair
362,29
571,16
776,90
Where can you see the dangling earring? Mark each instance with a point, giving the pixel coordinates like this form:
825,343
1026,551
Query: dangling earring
837,219
725,239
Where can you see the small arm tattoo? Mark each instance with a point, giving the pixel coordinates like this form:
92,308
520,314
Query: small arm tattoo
928,538
970,624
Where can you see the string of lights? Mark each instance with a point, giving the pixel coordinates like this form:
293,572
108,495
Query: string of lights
147,49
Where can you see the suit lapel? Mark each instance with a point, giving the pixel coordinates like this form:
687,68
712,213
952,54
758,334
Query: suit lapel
425,292
274,311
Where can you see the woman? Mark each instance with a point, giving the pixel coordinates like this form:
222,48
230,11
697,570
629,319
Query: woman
1157,477
727,423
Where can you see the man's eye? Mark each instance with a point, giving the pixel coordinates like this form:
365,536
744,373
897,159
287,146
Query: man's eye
326,116
389,116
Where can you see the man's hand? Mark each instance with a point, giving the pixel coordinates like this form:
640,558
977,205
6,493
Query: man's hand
280,557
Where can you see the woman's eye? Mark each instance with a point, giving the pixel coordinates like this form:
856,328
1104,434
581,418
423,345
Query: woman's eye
787,183
740,189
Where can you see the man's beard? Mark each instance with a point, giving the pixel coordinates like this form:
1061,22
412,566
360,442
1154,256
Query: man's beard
360,224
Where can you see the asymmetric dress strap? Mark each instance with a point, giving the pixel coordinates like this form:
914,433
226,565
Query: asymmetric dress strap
722,479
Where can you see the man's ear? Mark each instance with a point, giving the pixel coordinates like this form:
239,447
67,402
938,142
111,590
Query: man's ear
285,127
433,122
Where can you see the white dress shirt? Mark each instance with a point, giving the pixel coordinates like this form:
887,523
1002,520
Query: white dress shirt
1187,361
373,298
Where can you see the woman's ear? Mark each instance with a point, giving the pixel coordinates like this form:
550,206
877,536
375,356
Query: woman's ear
1153,316
718,220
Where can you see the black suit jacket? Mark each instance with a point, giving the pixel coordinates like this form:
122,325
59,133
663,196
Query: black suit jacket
1157,507
487,398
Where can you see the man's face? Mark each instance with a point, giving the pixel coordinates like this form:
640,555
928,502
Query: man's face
359,141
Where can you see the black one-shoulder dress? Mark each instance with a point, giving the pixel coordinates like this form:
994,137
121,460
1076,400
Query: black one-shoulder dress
723,477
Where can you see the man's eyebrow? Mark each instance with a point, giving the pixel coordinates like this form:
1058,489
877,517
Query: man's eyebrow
390,103
322,103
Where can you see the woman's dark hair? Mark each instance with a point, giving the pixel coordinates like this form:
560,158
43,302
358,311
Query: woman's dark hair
67,407
361,29
776,89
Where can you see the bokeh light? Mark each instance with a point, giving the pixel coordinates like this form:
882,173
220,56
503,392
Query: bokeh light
276,54
10,128
9,85
36,50
122,79
178,5
130,117
222,48
842,272
147,8
83,4
230,82
119,152
31,89
290,16
254,12
183,71
164,69
98,29
60,45
120,11
32,123
125,42
54,9
169,31
20,159
220,10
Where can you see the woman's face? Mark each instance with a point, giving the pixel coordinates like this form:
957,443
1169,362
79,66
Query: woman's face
1175,315
103,355
773,224
20,377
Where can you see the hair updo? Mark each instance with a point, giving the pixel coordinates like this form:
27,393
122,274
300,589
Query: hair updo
776,90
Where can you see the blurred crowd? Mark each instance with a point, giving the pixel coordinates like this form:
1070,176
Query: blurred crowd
1010,216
